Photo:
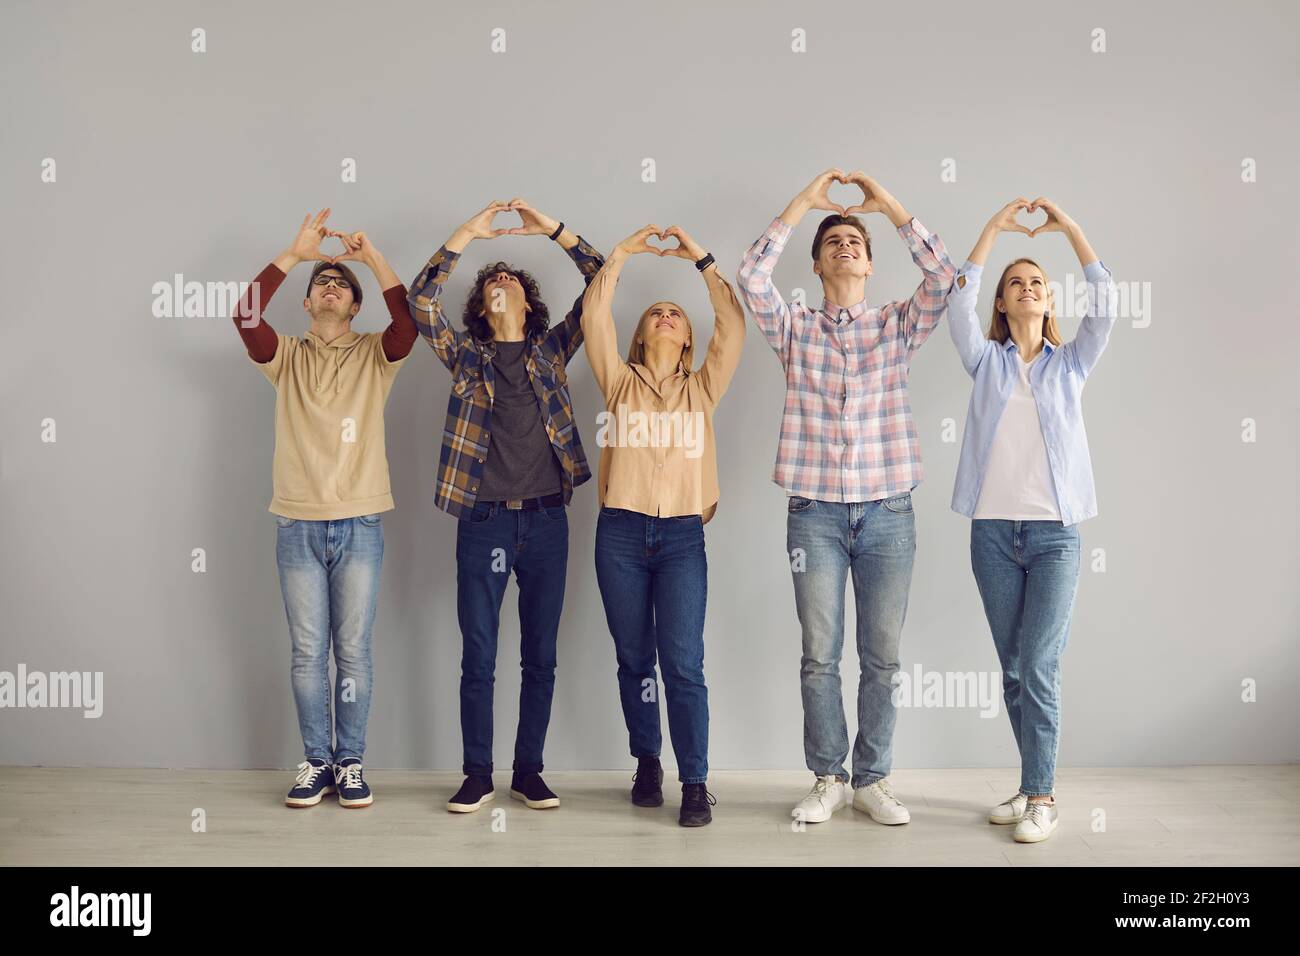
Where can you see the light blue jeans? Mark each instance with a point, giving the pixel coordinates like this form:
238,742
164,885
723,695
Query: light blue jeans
825,541
1027,573
329,574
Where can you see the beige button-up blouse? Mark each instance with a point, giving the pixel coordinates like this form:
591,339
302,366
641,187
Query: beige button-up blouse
657,454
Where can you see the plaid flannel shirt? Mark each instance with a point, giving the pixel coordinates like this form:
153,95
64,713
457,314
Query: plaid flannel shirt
467,433
847,432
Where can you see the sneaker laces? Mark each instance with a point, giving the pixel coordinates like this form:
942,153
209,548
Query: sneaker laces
822,785
350,777
307,774
1036,812
700,796
882,787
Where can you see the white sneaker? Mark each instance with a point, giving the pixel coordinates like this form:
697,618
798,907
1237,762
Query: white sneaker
1009,810
1038,822
879,802
827,795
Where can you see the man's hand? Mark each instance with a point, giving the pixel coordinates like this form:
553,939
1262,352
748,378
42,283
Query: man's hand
875,199
535,223
359,248
478,226
306,245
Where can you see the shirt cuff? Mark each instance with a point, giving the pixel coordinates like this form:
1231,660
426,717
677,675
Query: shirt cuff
1095,271
912,225
778,233
971,270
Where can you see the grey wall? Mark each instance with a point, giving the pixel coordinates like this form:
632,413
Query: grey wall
170,161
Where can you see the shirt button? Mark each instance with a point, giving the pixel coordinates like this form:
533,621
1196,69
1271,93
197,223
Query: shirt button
480,461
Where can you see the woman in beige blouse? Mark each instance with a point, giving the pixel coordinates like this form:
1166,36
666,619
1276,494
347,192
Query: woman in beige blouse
658,484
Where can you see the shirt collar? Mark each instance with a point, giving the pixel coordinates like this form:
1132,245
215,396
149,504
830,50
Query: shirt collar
1010,344
832,311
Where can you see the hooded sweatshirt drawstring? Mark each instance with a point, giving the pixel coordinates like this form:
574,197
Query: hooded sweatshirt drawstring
317,358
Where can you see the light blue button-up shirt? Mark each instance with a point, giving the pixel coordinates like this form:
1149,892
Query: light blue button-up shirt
1056,381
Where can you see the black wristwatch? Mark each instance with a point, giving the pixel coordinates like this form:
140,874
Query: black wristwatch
556,234
705,262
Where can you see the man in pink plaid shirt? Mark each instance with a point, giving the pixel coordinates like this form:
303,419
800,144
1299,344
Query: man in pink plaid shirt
848,458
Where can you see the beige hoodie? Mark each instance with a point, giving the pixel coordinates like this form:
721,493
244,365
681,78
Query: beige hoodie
330,460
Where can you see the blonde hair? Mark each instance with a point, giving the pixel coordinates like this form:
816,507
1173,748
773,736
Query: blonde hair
1000,331
636,351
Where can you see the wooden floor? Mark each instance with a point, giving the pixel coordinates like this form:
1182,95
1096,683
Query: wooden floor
1189,816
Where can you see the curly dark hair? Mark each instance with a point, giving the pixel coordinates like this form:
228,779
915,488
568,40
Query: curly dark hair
537,320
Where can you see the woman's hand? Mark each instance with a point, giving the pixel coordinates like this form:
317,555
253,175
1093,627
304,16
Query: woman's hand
686,248
1057,220
1004,220
636,243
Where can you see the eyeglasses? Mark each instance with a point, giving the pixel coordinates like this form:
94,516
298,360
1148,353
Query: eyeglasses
339,281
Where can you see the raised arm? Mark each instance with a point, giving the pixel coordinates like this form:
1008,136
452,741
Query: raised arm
424,300
1094,331
963,324
597,315
728,339
920,315
754,280
401,332
567,336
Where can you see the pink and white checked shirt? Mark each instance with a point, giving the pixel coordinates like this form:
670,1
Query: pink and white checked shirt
847,432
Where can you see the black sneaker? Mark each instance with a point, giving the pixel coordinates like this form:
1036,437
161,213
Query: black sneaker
353,791
473,793
315,779
533,791
696,801
648,783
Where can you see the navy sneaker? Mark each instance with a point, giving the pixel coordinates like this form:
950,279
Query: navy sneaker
696,800
314,781
533,791
473,793
648,783
353,791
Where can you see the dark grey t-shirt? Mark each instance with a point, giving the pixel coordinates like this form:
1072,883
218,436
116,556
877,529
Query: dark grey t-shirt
520,461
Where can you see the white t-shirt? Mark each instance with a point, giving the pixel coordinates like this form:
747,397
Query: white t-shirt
1018,482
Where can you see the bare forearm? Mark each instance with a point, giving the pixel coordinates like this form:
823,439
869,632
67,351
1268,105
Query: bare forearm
1082,248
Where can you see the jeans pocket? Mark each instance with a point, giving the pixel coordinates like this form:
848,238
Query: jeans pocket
554,513
798,504
371,521
283,522
900,504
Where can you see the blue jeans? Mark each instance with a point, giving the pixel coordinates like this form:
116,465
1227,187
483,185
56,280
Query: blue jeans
491,542
825,541
1027,573
653,579
329,575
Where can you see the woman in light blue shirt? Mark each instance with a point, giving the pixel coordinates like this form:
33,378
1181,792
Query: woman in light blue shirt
1025,480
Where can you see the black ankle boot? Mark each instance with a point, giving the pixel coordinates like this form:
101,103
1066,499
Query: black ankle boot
696,801
648,783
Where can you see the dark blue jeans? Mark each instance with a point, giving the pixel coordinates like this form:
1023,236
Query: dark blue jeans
654,581
491,543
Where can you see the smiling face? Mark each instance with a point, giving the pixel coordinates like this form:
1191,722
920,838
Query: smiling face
1023,294
331,296
663,324
842,249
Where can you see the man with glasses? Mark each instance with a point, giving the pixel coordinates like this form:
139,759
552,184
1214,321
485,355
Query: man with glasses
330,483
